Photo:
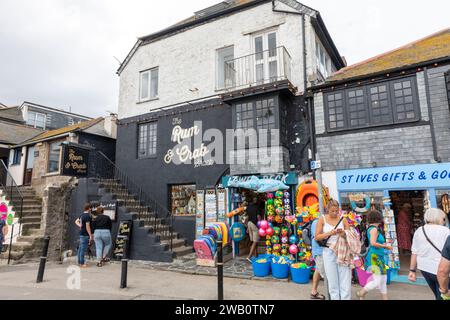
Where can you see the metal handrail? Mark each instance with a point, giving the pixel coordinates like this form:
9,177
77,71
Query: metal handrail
146,203
4,184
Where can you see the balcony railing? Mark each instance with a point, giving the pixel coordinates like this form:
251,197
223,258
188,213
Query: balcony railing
255,69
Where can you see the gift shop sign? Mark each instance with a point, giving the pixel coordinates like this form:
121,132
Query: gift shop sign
182,153
403,177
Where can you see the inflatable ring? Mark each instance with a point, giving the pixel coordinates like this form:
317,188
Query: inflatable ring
308,195
361,210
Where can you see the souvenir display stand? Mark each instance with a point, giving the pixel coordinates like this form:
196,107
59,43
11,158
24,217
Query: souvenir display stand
390,229
206,245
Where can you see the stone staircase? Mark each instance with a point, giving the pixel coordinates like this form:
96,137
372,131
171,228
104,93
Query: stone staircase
145,220
29,244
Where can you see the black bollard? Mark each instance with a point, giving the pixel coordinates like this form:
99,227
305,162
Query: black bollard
124,274
40,276
220,270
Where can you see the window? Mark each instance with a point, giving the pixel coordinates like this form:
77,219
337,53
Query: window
225,68
385,103
149,84
16,157
335,104
70,121
323,61
53,157
245,116
36,119
265,114
266,57
147,140
183,199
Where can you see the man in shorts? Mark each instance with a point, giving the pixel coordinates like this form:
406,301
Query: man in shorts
253,232
444,271
320,269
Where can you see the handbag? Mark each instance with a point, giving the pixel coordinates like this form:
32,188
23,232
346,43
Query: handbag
428,239
324,242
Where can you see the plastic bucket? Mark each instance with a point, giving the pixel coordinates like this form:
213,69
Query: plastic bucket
363,276
280,271
261,270
300,276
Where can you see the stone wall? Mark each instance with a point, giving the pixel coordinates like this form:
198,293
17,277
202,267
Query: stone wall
55,217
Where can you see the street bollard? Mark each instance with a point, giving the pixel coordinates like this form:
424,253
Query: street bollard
40,276
124,274
220,270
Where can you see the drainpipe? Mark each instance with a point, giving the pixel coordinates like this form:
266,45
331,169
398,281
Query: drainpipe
430,115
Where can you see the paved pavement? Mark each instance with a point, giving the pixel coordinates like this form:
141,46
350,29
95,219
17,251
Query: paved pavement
148,283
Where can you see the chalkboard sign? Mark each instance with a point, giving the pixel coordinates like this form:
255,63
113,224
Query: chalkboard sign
75,161
109,207
123,233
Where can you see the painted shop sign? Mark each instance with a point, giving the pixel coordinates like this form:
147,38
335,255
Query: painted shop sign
403,177
183,152
75,161
290,178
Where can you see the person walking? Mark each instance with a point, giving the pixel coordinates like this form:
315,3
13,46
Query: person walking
427,247
444,272
317,253
102,236
86,237
253,232
375,259
330,227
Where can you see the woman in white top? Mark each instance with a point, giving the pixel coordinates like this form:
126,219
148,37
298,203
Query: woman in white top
339,277
427,246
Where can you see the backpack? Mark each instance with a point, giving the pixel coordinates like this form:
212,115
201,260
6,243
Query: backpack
307,234
365,243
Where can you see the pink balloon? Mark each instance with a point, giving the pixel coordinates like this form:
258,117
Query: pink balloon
264,225
262,233
293,249
270,232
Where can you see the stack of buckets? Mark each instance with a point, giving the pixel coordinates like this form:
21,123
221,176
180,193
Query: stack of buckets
265,264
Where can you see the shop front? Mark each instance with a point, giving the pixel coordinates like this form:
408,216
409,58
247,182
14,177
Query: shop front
403,194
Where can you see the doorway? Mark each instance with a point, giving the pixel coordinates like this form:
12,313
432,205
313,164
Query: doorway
266,57
409,210
29,167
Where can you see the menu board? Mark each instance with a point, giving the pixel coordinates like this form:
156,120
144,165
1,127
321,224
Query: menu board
210,207
200,212
221,205
123,233
391,238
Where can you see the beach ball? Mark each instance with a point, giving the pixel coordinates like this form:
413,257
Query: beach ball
275,239
270,231
264,225
293,239
293,249
279,194
262,232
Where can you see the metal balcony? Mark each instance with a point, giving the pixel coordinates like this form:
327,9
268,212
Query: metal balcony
256,69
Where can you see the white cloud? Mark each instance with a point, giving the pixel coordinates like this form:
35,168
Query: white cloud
61,52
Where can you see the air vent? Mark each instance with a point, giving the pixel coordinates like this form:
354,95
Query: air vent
214,9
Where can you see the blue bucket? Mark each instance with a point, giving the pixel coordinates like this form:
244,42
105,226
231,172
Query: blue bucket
301,276
280,271
261,270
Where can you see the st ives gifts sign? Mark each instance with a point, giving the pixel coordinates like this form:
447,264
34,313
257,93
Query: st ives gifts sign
183,153
404,177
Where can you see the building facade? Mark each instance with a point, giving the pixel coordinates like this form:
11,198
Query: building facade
192,95
382,135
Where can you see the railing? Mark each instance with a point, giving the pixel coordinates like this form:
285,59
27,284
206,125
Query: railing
256,69
15,197
148,209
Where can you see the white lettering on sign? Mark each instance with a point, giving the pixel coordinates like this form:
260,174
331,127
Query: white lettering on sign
179,134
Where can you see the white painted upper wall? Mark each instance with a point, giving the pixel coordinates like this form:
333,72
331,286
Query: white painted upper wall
187,60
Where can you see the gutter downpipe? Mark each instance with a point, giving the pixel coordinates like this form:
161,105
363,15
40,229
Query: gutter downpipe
430,115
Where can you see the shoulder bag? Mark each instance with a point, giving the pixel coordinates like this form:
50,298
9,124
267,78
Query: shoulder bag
324,242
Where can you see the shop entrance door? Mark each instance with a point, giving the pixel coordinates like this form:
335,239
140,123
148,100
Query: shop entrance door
29,168
409,210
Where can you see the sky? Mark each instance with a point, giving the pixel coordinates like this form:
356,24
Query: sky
65,53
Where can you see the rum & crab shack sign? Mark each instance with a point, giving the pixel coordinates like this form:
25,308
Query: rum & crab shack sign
183,153
75,161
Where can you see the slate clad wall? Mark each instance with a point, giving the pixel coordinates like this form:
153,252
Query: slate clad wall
440,110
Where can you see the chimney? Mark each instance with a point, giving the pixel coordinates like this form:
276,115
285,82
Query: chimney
110,124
